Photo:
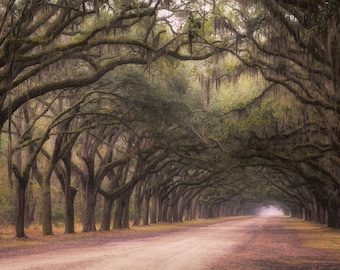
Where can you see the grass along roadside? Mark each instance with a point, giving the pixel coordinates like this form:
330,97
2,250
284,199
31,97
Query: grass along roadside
314,235
35,239
282,242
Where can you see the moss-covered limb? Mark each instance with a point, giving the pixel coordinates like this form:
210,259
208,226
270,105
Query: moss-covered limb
293,170
297,83
36,91
146,165
294,56
300,159
121,41
65,51
67,83
185,57
48,25
300,33
6,12
103,170
310,149
42,14
266,49
257,99
261,189
327,172
62,119
30,127
300,130
305,100
35,35
336,159
284,188
76,44
314,183
30,59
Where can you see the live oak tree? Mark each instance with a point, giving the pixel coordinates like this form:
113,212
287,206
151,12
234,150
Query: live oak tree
94,172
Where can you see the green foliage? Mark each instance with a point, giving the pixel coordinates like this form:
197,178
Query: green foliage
3,145
160,102
254,23
325,11
6,214
58,215
236,96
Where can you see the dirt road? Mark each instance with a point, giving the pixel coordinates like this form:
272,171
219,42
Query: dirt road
208,247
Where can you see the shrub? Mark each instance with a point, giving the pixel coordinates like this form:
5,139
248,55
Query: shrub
58,215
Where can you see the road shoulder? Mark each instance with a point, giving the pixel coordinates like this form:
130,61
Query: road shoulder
284,243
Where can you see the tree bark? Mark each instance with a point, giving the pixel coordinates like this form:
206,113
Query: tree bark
69,210
46,187
20,209
89,209
160,208
69,194
193,208
182,207
30,205
106,218
175,217
146,209
137,205
169,212
322,213
153,212
126,215
117,215
126,209
333,214
46,207
165,208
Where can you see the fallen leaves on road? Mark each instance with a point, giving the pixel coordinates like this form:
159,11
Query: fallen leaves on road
286,243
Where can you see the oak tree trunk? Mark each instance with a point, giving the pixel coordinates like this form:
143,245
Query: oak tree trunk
20,209
126,210
137,205
117,215
153,212
70,194
46,208
106,218
146,209
89,209
333,214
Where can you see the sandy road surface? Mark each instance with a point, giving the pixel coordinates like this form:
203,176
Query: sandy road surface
195,249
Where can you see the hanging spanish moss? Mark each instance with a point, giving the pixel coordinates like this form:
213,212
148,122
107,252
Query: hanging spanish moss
149,59
219,25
